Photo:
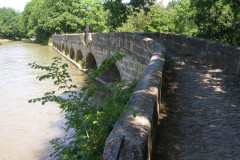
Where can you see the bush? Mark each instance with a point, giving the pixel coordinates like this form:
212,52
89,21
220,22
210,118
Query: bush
91,122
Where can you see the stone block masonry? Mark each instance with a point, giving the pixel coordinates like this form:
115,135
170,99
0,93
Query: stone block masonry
144,58
138,50
218,54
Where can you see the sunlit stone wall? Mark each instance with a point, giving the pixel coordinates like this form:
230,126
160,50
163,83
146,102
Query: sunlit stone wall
138,50
219,54
145,58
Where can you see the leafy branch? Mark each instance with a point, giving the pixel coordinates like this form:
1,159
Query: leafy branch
91,121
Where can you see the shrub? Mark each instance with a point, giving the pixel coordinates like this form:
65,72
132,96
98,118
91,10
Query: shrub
91,122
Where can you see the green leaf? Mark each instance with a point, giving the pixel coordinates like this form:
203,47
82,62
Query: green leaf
135,113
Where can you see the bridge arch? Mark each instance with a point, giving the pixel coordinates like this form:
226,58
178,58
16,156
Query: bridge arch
144,56
90,62
71,53
58,46
111,75
79,56
62,47
66,50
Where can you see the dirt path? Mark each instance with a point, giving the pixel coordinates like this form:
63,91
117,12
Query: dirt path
201,117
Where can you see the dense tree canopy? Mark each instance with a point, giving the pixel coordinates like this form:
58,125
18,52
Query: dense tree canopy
211,19
9,19
183,17
218,20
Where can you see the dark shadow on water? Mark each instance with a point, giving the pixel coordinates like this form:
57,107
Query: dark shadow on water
45,152
97,98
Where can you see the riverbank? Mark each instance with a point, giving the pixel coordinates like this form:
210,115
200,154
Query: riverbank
2,41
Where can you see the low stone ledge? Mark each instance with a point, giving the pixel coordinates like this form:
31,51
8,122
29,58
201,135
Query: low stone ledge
69,59
139,131
220,54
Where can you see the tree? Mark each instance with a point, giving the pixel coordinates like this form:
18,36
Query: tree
91,13
135,23
158,19
9,23
119,12
42,18
183,17
161,20
218,20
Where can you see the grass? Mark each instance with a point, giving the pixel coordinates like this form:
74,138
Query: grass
2,41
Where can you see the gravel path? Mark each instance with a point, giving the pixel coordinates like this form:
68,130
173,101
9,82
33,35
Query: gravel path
201,116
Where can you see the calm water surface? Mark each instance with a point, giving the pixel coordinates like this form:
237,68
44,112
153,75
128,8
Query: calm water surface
26,129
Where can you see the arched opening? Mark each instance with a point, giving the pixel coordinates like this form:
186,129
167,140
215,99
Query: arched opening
90,62
111,75
79,56
66,51
62,47
71,53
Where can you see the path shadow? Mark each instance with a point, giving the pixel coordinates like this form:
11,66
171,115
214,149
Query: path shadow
200,111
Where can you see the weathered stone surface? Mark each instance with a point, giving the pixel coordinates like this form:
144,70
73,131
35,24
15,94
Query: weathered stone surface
103,45
219,54
145,57
204,115
139,131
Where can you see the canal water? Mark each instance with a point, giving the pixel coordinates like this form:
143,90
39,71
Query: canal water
26,129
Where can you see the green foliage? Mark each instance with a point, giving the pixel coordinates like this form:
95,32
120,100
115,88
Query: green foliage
218,20
136,22
50,40
119,12
91,121
9,19
2,41
81,63
91,13
42,18
160,21
183,17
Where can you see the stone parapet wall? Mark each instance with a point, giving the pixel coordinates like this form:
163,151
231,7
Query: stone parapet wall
138,50
145,57
219,54
139,132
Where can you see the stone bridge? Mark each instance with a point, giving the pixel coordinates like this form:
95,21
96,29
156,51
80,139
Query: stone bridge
138,52
145,58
